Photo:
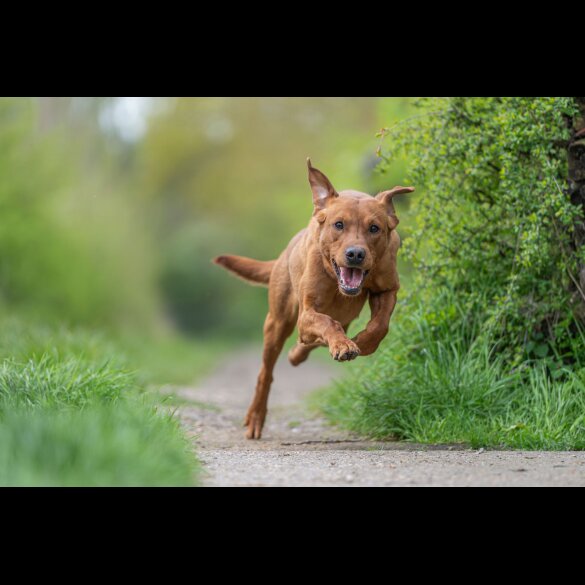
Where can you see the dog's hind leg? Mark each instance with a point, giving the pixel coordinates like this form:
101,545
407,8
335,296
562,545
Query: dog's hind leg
276,332
300,352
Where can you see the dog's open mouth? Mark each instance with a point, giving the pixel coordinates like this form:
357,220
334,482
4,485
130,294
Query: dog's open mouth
350,279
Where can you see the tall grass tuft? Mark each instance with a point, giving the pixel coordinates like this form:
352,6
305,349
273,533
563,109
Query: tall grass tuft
72,414
129,445
441,379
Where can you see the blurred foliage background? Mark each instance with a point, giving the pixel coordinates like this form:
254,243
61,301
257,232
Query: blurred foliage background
110,212
113,207
228,176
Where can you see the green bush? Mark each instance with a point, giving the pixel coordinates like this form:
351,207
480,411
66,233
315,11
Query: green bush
493,219
486,345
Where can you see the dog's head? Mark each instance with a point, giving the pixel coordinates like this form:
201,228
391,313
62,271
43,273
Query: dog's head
354,229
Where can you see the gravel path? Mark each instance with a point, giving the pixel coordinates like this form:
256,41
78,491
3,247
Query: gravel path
298,449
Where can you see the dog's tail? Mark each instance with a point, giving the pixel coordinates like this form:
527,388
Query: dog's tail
252,271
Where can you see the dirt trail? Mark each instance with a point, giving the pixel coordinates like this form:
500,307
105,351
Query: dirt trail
298,449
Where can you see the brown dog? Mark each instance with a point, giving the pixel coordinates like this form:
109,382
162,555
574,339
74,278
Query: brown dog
321,281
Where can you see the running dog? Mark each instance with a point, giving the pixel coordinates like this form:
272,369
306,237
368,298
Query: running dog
321,281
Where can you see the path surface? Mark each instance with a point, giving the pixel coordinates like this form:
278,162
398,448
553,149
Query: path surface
298,449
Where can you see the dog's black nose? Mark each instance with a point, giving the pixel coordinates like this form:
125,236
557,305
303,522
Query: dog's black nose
355,255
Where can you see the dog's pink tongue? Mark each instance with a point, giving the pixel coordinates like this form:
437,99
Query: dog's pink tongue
352,277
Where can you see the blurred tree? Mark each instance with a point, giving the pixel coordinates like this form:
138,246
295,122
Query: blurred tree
101,220
245,158
576,176
72,247
229,175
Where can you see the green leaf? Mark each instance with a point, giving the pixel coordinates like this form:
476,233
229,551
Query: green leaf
541,350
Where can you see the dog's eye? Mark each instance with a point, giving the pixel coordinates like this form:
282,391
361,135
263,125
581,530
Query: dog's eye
374,229
338,225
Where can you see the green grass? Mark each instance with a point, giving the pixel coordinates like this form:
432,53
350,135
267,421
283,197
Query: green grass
157,360
172,399
438,380
128,445
172,359
74,411
47,382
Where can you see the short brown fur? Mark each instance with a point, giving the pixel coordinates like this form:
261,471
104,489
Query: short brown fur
305,289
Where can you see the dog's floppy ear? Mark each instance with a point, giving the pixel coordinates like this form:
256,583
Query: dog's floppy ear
323,190
385,197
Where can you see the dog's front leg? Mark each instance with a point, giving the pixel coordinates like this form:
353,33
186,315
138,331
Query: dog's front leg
316,327
382,306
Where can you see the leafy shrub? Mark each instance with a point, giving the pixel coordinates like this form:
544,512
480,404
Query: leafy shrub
493,219
486,347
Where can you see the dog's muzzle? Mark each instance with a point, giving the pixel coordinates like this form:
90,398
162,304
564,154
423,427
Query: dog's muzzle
350,279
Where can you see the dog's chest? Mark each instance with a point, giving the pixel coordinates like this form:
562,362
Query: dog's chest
343,308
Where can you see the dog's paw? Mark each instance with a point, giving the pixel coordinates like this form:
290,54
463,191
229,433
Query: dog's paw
344,350
298,354
254,422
